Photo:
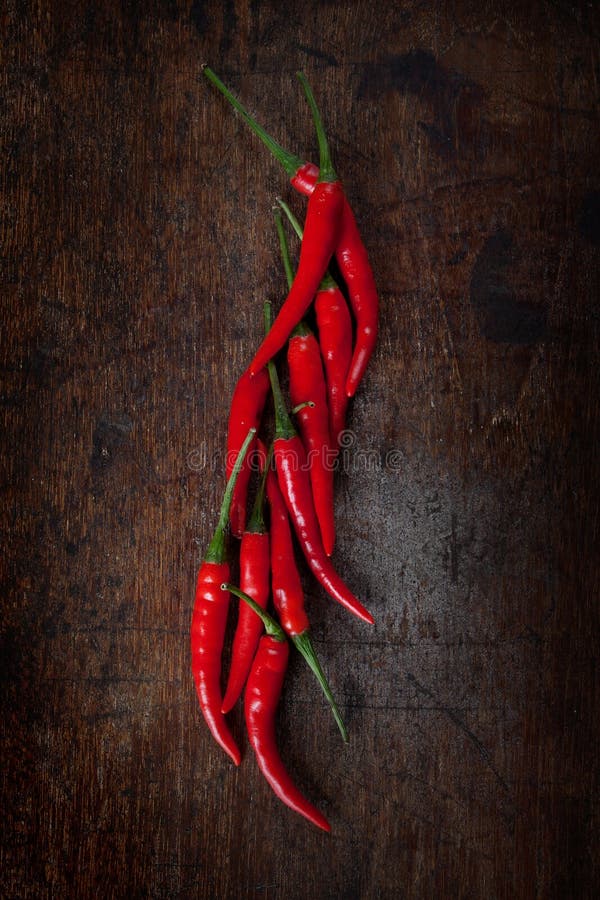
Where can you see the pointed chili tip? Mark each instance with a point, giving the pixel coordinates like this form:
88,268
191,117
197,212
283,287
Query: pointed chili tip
329,542
363,614
203,66
235,757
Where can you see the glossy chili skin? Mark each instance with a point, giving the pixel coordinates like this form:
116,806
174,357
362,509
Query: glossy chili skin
288,596
307,384
335,341
209,620
321,230
246,411
353,260
305,178
350,251
254,580
335,335
260,705
286,587
294,481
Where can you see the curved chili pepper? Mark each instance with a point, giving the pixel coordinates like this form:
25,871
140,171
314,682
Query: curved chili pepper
350,251
352,258
321,232
209,620
288,596
321,235
335,341
307,386
260,706
307,382
291,462
246,410
294,481
262,696
254,580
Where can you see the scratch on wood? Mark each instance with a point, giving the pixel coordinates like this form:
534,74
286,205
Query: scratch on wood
456,720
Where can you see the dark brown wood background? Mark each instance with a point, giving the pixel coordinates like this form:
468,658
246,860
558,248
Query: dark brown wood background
137,248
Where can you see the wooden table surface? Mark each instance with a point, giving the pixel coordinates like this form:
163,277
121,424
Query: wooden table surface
137,248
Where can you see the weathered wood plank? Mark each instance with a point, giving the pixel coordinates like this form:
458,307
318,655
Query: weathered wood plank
137,248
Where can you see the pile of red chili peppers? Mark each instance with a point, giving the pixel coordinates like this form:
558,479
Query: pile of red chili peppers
296,472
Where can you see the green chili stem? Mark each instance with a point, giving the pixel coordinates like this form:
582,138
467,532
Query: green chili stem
284,247
289,161
328,281
283,424
301,329
326,170
271,627
291,218
305,646
302,406
216,552
256,523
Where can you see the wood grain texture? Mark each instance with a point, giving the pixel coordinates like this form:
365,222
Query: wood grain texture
137,248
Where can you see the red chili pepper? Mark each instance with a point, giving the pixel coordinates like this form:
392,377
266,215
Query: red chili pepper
352,258
335,341
294,481
307,386
321,235
321,232
288,596
255,581
246,410
262,696
303,178
307,382
210,618
260,706
350,251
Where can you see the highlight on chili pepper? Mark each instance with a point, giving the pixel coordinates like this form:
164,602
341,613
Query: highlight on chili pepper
254,580
288,595
246,411
263,691
307,379
294,481
209,620
321,232
335,341
296,477
303,644
350,252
